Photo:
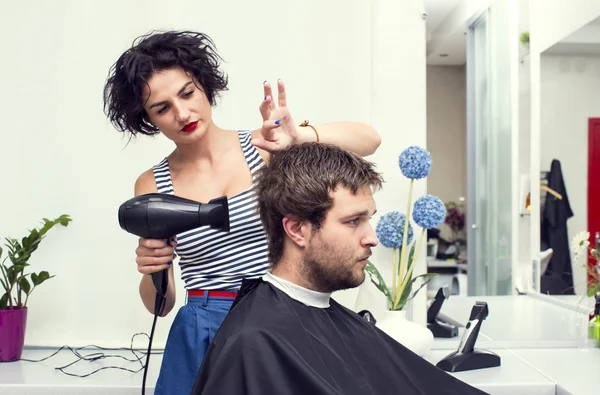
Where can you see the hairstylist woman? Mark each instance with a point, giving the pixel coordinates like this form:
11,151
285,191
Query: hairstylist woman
168,82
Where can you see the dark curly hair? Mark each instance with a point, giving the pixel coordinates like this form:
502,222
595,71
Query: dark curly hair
157,51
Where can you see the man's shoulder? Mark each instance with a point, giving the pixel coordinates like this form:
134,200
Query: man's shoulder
257,309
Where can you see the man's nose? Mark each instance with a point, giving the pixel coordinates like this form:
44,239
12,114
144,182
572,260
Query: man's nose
370,238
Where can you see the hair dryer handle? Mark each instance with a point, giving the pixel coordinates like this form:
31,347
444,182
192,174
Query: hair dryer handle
160,281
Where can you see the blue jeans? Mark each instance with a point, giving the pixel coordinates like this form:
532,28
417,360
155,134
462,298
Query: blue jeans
192,331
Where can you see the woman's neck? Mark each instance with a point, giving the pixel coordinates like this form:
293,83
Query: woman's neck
207,149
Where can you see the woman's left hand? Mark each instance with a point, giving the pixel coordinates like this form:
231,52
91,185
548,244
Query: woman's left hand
278,130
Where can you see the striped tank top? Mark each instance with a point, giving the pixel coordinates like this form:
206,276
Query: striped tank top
213,259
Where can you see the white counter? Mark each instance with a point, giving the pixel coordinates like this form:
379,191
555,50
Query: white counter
521,321
513,377
574,370
42,378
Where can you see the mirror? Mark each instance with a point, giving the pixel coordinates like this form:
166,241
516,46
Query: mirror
569,150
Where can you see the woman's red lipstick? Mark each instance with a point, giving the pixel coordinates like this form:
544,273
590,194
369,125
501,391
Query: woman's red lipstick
190,127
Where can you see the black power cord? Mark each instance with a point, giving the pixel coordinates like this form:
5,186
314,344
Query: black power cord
159,306
94,356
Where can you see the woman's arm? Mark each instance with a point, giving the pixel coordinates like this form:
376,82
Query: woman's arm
356,137
280,131
152,256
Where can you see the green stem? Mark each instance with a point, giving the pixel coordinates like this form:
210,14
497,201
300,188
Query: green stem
27,297
394,271
4,274
415,256
403,252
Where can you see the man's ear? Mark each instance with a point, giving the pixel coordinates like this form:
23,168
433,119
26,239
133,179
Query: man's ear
297,230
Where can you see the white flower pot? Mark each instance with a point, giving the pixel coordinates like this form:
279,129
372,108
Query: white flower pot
413,336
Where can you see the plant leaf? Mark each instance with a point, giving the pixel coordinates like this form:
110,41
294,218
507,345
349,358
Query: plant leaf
4,301
64,219
405,296
411,255
410,258
25,285
11,274
40,277
406,292
427,278
380,283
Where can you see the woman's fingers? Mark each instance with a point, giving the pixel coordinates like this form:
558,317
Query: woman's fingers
281,97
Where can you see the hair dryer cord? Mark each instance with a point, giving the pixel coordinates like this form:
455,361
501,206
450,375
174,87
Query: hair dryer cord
149,352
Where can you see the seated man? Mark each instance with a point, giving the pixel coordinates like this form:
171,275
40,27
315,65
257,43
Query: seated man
284,333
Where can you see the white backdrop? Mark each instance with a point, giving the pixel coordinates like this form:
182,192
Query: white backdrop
60,155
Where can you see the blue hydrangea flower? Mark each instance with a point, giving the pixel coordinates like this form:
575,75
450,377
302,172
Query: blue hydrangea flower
415,162
390,230
429,212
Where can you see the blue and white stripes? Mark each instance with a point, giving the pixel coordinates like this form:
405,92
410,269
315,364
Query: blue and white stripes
212,259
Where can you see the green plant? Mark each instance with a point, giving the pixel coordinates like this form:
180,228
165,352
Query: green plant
579,243
17,284
395,231
524,38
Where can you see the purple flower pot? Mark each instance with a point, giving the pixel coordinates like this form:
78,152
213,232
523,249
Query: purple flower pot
12,333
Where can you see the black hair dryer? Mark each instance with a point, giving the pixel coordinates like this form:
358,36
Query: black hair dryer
467,357
160,216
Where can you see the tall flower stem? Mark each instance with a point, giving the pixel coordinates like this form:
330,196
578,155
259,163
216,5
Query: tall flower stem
415,256
403,252
394,273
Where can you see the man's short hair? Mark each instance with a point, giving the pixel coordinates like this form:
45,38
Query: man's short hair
298,182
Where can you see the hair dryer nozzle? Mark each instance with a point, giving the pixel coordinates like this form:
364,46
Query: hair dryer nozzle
216,213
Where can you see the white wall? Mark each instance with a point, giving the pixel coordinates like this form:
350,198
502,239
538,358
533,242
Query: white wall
399,108
64,157
523,264
447,133
570,91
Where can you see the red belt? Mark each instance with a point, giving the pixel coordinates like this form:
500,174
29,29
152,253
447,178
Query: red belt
218,294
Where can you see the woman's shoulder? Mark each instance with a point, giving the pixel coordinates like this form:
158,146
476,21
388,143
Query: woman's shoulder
145,183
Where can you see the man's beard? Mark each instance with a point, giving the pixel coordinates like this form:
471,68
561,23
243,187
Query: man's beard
328,271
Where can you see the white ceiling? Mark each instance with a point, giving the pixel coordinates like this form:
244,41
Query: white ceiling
445,27
446,41
437,10
584,41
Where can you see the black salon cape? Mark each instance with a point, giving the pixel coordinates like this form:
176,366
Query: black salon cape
272,344
558,278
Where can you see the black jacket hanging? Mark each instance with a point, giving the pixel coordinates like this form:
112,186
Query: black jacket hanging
558,278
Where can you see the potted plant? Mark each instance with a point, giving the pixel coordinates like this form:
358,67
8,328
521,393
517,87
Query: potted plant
579,244
395,231
18,282
524,39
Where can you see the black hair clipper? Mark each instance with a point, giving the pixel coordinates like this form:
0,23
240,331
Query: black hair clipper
467,357
438,327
